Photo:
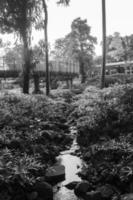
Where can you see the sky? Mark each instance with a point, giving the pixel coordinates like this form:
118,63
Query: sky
119,18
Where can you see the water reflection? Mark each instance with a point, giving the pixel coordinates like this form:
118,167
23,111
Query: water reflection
65,194
73,165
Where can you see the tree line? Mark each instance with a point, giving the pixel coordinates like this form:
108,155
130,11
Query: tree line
118,48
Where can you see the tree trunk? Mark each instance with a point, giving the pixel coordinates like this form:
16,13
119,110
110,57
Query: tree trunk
26,69
104,44
26,78
46,48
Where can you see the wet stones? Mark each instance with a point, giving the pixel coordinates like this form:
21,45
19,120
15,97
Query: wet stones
85,191
42,190
72,185
55,173
82,188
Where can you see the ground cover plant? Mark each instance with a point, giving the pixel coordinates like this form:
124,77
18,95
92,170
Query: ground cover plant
33,131
105,131
110,80
107,112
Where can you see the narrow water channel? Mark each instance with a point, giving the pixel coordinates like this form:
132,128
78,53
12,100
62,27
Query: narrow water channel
73,165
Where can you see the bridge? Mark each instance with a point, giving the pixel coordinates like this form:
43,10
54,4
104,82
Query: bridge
60,69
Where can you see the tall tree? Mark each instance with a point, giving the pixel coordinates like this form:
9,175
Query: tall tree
127,44
115,47
119,48
104,43
59,50
46,46
44,24
83,45
77,45
65,2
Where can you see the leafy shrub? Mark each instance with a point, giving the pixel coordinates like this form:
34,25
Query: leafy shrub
110,163
33,131
111,80
105,134
107,112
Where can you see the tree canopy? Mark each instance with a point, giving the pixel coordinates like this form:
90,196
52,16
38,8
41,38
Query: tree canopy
78,45
119,48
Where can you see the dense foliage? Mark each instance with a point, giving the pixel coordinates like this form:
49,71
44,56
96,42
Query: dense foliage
105,129
33,131
105,112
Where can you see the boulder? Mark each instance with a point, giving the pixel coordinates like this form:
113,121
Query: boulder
72,185
82,188
44,190
55,173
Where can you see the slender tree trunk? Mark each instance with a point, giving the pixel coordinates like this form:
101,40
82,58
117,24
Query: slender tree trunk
104,44
26,69
46,48
26,34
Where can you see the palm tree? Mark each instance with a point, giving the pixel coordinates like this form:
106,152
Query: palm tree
65,2
104,44
18,16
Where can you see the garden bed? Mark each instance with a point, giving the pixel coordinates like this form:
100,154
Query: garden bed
105,130
33,130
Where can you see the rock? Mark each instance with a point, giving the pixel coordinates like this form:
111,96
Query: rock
93,195
127,196
83,173
55,173
44,190
78,166
72,185
82,188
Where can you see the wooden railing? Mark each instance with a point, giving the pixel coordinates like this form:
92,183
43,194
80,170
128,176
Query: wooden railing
68,67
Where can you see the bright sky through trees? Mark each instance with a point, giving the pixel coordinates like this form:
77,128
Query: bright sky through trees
119,18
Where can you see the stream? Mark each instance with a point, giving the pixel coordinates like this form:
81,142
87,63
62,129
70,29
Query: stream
73,165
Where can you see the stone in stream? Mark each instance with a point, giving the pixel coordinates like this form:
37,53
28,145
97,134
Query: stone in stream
82,188
72,185
44,191
55,173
